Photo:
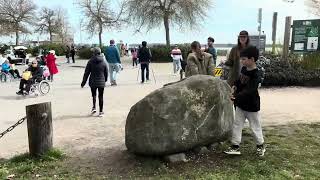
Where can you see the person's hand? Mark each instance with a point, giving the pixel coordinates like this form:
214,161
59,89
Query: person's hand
232,97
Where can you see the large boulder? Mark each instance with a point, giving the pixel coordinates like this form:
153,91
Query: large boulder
176,118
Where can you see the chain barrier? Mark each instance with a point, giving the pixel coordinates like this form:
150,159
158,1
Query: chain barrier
12,127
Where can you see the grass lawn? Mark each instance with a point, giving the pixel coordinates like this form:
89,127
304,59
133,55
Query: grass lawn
293,152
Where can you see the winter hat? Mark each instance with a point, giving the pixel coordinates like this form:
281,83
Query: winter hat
52,52
243,33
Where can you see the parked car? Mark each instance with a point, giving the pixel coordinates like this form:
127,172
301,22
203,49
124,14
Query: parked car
17,55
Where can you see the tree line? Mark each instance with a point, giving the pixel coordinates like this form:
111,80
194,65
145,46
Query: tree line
17,16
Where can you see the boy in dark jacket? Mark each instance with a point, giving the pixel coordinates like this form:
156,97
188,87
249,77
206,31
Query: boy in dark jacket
247,101
98,72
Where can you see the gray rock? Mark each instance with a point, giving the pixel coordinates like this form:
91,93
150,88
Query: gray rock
201,150
181,157
214,146
181,116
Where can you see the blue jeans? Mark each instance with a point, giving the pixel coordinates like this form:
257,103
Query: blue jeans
176,66
114,70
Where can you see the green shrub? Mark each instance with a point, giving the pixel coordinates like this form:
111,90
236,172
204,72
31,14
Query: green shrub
311,61
58,48
85,53
283,73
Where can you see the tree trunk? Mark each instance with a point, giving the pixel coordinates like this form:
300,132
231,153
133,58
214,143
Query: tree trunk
167,28
39,124
50,33
17,37
100,36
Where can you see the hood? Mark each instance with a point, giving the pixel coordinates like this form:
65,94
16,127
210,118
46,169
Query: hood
97,59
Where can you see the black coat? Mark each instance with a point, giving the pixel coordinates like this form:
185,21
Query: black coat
98,72
247,95
144,55
36,72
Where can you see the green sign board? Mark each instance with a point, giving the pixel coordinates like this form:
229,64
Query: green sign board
305,36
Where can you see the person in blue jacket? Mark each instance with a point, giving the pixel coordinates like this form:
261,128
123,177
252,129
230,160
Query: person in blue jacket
113,59
6,67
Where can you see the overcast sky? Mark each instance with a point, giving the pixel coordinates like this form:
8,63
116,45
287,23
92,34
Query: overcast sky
224,21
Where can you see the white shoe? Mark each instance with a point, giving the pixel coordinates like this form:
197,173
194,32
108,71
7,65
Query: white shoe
93,111
101,114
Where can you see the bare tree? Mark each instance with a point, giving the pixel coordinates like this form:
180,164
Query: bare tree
152,13
48,22
314,6
16,15
99,15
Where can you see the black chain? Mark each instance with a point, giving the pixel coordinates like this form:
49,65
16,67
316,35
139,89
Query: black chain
12,127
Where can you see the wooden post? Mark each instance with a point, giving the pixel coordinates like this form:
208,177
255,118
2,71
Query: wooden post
286,42
39,122
274,32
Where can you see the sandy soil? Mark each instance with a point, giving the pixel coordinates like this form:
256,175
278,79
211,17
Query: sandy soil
91,139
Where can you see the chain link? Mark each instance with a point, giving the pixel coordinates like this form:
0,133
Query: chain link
13,127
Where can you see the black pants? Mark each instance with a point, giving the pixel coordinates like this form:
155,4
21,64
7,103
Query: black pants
26,83
143,68
134,62
12,72
73,60
94,97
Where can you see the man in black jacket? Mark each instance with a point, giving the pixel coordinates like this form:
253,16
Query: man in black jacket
98,72
144,56
247,101
36,76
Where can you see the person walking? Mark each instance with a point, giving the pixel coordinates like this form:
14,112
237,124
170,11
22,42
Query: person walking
144,56
233,60
113,59
177,58
73,53
211,50
134,54
98,71
51,64
68,53
198,62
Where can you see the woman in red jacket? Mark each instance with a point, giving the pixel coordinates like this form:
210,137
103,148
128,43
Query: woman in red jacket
51,64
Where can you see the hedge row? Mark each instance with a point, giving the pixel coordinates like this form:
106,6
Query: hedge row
290,73
60,49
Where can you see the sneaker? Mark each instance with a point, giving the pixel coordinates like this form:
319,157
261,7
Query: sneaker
19,93
261,150
233,150
101,114
93,111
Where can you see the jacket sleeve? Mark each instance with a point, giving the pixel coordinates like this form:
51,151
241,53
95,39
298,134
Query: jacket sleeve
87,72
210,67
191,68
117,55
230,59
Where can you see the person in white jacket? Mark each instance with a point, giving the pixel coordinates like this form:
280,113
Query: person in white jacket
177,58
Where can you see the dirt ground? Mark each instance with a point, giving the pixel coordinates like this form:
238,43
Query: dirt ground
90,139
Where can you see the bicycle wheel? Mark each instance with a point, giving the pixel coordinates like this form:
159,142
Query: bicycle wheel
44,87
